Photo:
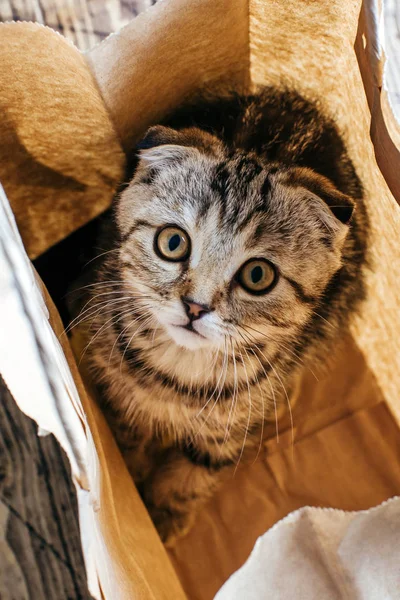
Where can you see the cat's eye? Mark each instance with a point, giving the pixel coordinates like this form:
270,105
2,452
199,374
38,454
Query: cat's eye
172,243
257,276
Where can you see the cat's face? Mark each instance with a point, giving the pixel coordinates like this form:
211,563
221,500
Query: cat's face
225,248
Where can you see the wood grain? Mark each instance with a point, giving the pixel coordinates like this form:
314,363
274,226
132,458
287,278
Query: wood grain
84,22
40,547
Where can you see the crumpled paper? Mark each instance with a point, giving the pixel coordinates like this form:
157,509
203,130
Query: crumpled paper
322,553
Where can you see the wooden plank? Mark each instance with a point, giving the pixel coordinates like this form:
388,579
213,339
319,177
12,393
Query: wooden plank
84,22
41,554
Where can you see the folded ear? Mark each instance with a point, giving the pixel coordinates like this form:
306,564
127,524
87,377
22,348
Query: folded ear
341,205
163,155
158,136
192,137
162,147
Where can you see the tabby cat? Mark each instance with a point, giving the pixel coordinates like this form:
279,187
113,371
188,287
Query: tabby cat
235,260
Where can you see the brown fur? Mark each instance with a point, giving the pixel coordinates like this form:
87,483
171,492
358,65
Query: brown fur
263,177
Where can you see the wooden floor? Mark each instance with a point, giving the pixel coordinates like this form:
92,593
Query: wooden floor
40,549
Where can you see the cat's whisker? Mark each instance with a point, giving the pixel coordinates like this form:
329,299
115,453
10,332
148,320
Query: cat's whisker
152,339
95,311
269,383
121,333
234,394
210,368
286,396
84,310
100,255
248,416
78,317
116,319
96,284
94,337
222,384
219,386
119,316
323,318
131,310
90,312
203,408
137,332
117,293
113,293
197,389
262,404
223,370
299,362
263,336
147,319
214,360
279,342
112,286
127,296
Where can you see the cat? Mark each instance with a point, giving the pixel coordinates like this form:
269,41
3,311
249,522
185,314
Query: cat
236,260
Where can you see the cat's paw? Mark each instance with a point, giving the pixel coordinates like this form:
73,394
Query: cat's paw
171,525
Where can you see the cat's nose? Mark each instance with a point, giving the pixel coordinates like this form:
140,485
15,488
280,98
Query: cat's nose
194,310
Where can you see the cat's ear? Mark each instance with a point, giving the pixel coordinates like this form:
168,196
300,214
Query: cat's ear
158,136
340,205
163,155
164,144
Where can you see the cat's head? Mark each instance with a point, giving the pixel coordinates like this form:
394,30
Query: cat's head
221,246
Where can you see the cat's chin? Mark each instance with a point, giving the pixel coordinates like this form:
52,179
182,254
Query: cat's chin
191,340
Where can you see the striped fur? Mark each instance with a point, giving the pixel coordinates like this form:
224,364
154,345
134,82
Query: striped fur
265,176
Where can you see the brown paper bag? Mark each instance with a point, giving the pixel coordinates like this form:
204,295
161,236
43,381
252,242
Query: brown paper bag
67,118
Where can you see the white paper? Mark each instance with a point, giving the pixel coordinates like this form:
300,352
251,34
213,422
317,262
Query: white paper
324,554
36,372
